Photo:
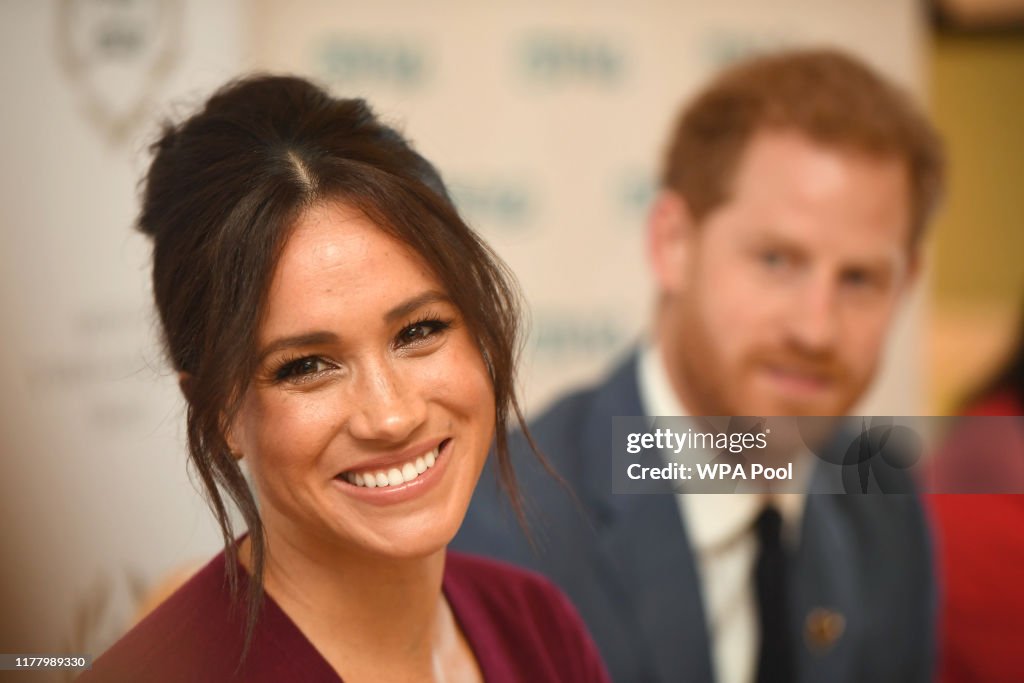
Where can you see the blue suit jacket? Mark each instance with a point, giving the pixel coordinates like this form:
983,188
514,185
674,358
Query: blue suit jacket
627,564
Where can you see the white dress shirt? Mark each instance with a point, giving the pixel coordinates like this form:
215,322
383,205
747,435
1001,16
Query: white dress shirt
722,534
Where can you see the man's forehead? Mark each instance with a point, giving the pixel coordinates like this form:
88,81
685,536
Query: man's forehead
843,249
822,193
822,167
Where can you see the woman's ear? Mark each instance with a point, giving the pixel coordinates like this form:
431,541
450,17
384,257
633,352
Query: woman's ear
187,383
231,439
670,232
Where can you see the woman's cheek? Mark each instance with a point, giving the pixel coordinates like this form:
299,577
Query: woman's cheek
295,428
469,380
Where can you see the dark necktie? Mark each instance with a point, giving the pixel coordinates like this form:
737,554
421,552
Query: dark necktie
775,660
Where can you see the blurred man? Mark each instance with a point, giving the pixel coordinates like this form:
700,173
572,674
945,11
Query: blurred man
794,197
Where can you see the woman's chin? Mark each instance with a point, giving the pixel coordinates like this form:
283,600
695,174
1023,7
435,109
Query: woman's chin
408,549
406,540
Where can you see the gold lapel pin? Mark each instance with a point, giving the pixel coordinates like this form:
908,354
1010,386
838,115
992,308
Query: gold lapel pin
823,628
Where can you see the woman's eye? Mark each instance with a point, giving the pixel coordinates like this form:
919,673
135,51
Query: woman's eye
421,331
303,367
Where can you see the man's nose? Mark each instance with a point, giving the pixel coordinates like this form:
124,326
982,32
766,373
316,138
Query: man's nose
814,317
386,404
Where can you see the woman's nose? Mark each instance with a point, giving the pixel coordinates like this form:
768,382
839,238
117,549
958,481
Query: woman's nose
387,405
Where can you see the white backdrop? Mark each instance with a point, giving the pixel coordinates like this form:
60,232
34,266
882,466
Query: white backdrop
547,120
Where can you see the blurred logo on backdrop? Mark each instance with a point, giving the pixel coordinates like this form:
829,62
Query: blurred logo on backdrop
634,188
347,60
568,334
722,47
116,54
497,205
556,59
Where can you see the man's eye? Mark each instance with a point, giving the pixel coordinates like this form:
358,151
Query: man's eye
302,367
863,279
856,278
421,331
772,258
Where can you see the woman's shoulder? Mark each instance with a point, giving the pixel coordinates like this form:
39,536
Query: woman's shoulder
198,634
521,626
498,585
500,580
193,630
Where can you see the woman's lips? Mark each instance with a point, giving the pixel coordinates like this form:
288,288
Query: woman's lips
394,474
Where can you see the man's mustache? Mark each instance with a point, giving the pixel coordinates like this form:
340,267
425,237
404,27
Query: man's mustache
825,367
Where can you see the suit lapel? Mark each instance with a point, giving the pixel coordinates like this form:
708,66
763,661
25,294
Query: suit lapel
645,547
828,590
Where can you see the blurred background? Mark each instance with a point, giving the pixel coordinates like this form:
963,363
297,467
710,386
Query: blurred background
547,120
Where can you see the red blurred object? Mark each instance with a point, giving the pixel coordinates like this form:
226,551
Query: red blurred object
980,550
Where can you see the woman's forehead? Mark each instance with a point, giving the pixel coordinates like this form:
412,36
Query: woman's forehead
337,263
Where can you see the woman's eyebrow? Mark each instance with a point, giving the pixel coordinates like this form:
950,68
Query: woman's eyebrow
410,305
323,337
308,339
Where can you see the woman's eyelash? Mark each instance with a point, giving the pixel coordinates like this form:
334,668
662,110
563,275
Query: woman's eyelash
298,368
421,329
414,332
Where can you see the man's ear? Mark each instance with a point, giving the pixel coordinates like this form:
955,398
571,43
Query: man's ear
914,266
670,234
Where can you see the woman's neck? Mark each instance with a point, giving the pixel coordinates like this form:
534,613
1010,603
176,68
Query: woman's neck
366,615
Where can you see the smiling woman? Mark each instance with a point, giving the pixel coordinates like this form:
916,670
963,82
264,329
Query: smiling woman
372,409
339,331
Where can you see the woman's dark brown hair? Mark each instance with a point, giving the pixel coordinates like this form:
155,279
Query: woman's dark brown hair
225,188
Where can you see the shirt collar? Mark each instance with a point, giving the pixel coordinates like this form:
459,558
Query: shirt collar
713,519
656,393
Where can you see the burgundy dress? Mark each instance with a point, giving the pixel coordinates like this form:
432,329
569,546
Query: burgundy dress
519,626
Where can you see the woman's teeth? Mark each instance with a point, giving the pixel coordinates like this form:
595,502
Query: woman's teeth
393,476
